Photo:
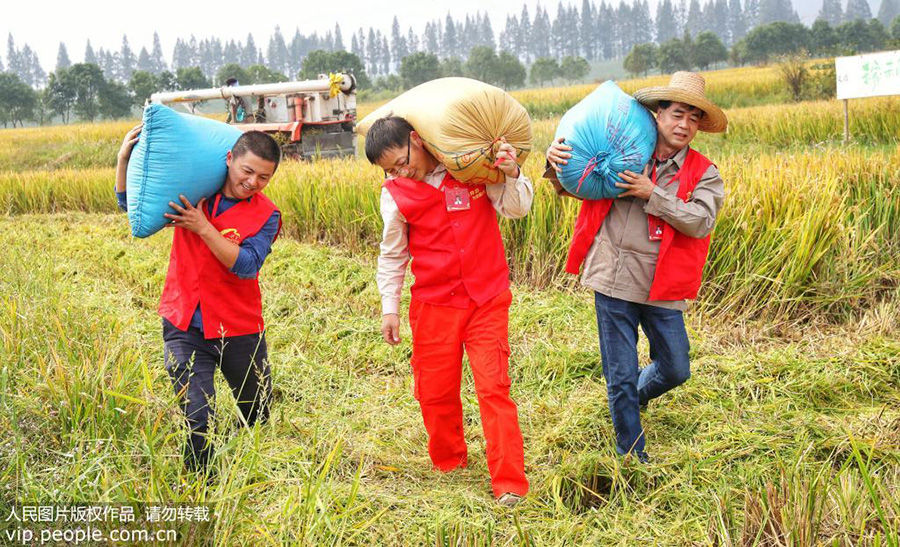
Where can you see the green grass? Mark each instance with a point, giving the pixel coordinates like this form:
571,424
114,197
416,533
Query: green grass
783,433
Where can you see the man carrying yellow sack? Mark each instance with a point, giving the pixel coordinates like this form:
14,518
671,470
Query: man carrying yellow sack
643,253
460,299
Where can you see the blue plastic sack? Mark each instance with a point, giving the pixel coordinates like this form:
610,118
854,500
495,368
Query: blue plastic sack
176,154
609,132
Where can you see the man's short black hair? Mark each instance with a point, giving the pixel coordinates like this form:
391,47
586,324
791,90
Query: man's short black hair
261,144
666,104
386,133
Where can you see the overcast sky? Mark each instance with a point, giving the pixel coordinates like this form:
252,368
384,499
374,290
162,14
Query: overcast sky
44,24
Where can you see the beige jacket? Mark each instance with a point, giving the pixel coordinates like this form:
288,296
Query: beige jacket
622,260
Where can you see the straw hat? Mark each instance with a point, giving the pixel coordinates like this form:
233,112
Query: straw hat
688,88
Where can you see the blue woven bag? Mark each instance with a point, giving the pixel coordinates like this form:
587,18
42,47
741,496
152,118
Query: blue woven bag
176,154
609,132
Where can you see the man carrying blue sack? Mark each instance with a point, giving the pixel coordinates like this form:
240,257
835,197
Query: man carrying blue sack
643,253
211,303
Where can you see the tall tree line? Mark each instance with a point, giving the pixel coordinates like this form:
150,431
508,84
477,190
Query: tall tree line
834,13
579,28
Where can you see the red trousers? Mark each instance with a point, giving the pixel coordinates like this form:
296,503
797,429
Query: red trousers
439,335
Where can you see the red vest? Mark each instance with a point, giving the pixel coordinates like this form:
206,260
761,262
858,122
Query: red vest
457,256
231,306
679,267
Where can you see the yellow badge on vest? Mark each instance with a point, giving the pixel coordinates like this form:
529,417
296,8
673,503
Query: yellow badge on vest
231,234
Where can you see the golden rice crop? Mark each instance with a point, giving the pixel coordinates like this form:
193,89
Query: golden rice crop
61,190
75,145
800,232
807,230
805,226
873,121
735,87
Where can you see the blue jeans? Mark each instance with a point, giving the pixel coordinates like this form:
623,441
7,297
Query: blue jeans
627,385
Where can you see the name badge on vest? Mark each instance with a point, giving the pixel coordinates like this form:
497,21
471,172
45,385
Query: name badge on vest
655,224
457,199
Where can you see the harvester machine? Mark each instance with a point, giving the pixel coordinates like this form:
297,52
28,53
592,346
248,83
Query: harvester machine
311,118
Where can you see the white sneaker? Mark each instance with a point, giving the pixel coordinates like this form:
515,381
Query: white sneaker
509,499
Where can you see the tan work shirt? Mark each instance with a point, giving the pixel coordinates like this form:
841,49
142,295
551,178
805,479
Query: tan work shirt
622,260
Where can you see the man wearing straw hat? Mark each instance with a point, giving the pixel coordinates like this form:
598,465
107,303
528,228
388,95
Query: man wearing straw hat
643,253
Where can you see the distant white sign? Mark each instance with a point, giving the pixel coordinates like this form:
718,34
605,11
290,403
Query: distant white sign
870,75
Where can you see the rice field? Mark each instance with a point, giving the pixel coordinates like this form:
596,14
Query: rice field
806,233
730,88
873,123
788,432
798,126
778,252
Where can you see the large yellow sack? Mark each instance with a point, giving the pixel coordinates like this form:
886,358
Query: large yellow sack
461,121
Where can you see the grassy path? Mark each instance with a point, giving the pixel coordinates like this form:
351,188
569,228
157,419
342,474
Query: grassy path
88,413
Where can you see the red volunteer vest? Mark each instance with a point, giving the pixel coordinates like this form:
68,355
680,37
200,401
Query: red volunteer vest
457,256
679,267
231,306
